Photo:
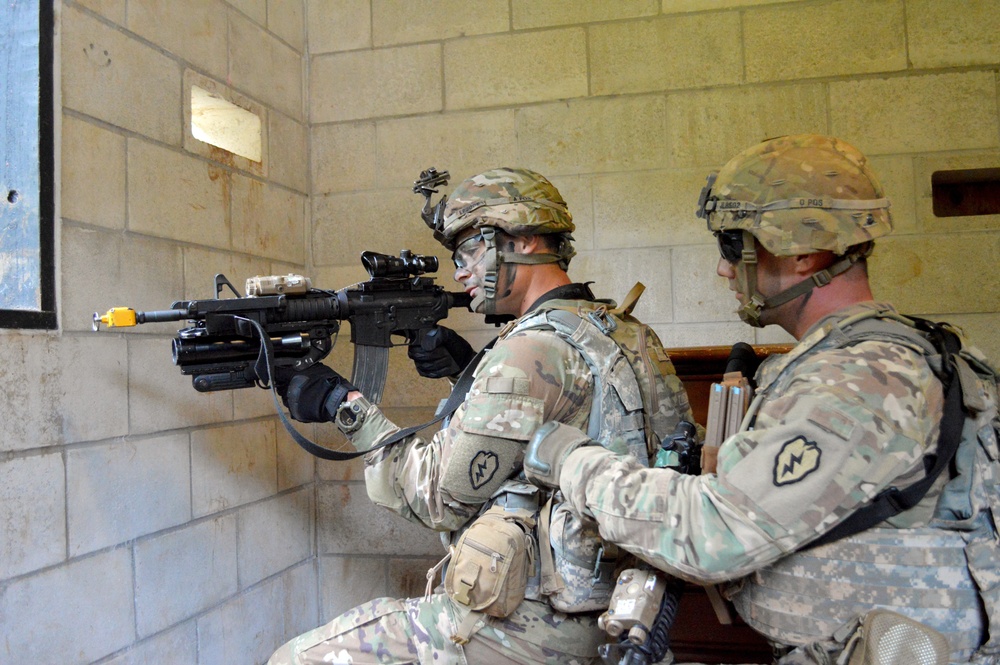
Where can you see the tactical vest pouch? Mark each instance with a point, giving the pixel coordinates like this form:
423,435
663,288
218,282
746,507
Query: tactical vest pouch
888,638
584,563
491,561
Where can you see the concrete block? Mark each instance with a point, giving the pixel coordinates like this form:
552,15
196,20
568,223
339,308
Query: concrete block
184,572
274,535
99,411
264,67
931,112
408,576
201,265
578,136
409,82
178,646
793,41
339,25
665,54
32,514
681,6
707,128
194,30
348,523
925,168
288,146
247,629
520,80
295,466
401,21
578,193
528,14
409,145
952,34
113,10
301,591
615,272
343,157
371,84
126,489
176,196
699,293
267,220
161,398
107,75
721,333
61,612
105,269
349,581
232,466
255,9
44,402
93,174
937,272
344,225
896,175
648,208
287,20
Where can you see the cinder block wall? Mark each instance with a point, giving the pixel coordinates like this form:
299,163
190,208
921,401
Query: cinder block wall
141,522
627,106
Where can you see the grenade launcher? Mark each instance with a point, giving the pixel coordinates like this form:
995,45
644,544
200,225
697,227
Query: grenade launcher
222,348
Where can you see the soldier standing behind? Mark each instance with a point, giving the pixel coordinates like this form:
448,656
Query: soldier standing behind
853,413
521,583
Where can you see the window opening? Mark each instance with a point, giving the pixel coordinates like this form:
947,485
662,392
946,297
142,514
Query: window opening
225,125
966,192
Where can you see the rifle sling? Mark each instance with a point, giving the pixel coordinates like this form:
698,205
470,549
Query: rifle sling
455,399
892,500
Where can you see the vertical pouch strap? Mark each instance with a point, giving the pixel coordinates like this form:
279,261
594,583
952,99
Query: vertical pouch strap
550,581
469,626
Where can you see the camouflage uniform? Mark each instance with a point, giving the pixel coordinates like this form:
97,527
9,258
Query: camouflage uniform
529,377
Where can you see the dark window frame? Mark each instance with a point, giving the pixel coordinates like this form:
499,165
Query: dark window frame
45,317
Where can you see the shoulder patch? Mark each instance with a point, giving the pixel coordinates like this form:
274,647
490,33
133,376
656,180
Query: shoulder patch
482,468
796,460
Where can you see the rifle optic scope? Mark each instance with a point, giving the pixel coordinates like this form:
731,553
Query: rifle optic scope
406,264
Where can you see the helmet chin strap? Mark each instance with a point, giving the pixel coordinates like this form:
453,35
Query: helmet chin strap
755,302
494,259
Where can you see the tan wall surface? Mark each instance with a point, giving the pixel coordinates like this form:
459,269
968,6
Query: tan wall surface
209,535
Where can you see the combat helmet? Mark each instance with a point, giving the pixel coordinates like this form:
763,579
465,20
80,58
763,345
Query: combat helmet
795,195
516,201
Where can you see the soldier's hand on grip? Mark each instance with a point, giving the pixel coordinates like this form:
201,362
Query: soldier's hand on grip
314,394
440,352
548,450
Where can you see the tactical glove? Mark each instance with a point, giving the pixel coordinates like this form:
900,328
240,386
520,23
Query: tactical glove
312,395
548,450
440,352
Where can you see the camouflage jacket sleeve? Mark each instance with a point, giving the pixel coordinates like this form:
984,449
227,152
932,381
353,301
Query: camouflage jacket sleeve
841,426
527,379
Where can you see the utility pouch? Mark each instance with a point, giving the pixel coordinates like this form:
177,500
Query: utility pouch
888,638
491,561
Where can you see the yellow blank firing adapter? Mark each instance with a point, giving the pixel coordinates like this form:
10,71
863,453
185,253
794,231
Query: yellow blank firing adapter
117,317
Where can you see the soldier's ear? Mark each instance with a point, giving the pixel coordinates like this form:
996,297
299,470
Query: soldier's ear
809,264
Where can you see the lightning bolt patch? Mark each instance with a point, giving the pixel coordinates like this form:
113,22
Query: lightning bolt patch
796,460
484,465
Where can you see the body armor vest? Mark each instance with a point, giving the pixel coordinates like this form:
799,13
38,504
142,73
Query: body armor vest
636,395
945,575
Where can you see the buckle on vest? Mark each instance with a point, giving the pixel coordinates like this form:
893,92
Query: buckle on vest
604,321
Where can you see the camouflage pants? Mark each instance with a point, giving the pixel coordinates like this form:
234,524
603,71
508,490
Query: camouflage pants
388,631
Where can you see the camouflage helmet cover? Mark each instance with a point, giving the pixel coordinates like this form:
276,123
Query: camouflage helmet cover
518,201
799,195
